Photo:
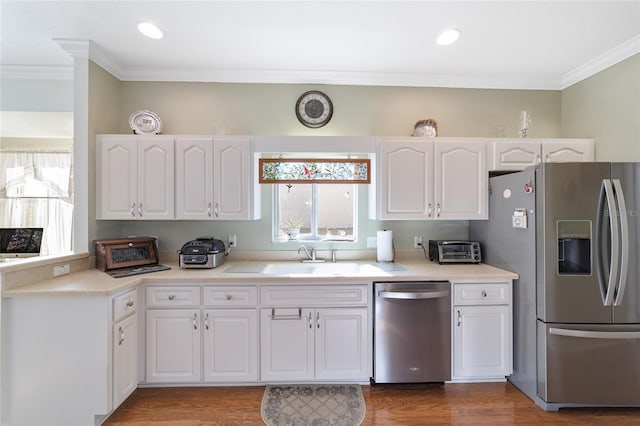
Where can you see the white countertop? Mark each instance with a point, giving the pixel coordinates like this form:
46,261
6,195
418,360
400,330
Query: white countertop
97,283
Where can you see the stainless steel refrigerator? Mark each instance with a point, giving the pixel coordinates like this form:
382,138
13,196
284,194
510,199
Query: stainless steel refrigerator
572,233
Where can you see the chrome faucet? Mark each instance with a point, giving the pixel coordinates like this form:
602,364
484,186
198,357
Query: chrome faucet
311,255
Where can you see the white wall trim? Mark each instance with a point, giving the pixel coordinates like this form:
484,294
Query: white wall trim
604,61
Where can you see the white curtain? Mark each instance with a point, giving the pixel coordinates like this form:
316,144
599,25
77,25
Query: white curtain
36,190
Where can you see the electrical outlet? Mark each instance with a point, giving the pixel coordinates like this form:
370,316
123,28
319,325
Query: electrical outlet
61,270
232,241
417,241
372,242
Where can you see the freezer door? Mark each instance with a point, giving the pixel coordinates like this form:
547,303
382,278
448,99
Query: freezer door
569,208
626,178
589,364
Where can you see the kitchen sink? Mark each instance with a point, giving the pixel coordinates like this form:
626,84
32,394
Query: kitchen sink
329,269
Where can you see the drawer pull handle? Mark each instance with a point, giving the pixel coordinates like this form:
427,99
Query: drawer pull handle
121,340
459,318
129,303
286,317
195,321
206,321
228,297
484,293
318,319
310,321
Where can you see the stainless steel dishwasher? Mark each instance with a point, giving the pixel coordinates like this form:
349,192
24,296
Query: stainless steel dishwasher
412,332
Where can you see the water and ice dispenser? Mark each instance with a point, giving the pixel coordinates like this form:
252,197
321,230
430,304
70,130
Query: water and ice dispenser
574,247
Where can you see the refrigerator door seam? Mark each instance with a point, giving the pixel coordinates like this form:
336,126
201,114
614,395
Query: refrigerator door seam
595,334
624,235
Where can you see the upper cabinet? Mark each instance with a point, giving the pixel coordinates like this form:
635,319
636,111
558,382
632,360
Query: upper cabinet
235,184
135,177
518,154
176,177
429,179
194,178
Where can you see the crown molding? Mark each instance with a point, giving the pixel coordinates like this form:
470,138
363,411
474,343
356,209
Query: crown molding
337,78
617,54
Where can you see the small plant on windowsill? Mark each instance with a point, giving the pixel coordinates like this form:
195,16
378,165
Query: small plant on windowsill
291,226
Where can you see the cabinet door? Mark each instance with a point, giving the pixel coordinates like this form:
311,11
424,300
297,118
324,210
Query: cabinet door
117,177
286,344
194,178
173,345
125,358
567,151
341,344
405,183
231,345
234,185
482,342
461,181
155,178
516,154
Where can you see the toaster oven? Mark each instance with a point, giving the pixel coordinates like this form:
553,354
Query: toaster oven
454,251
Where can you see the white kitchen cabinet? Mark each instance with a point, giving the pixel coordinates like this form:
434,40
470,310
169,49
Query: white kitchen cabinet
422,179
518,154
235,184
135,177
461,180
173,346
194,178
66,364
125,358
314,344
482,327
218,331
230,345
317,332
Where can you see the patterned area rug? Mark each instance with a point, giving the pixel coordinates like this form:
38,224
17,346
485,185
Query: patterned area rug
318,405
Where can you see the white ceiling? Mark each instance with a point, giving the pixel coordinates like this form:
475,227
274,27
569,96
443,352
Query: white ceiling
504,44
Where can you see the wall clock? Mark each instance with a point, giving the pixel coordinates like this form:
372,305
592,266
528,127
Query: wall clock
314,109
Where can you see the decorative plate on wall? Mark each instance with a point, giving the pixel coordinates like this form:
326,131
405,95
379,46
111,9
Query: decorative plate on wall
145,123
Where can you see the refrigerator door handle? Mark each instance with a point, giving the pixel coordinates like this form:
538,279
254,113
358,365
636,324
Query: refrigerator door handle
615,242
624,242
587,334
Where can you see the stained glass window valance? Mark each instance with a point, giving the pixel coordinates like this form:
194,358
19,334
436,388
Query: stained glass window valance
314,170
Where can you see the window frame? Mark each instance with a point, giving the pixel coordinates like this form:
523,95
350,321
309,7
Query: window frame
313,236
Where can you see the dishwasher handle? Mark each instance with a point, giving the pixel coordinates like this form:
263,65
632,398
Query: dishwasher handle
413,295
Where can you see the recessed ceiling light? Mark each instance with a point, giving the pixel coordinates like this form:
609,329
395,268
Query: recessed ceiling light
150,30
448,37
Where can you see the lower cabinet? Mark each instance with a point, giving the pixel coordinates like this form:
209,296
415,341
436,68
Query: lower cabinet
230,345
189,345
173,346
125,358
314,344
482,331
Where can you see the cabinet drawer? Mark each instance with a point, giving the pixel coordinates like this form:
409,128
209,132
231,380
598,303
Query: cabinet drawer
230,296
314,295
173,296
125,304
482,294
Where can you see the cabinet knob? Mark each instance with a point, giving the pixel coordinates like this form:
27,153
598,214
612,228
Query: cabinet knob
129,303
228,296
171,297
484,293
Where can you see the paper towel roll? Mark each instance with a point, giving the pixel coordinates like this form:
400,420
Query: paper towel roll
385,246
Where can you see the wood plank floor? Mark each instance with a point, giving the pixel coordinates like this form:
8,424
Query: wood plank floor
407,405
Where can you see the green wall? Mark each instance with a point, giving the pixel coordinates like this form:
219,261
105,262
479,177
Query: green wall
606,107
